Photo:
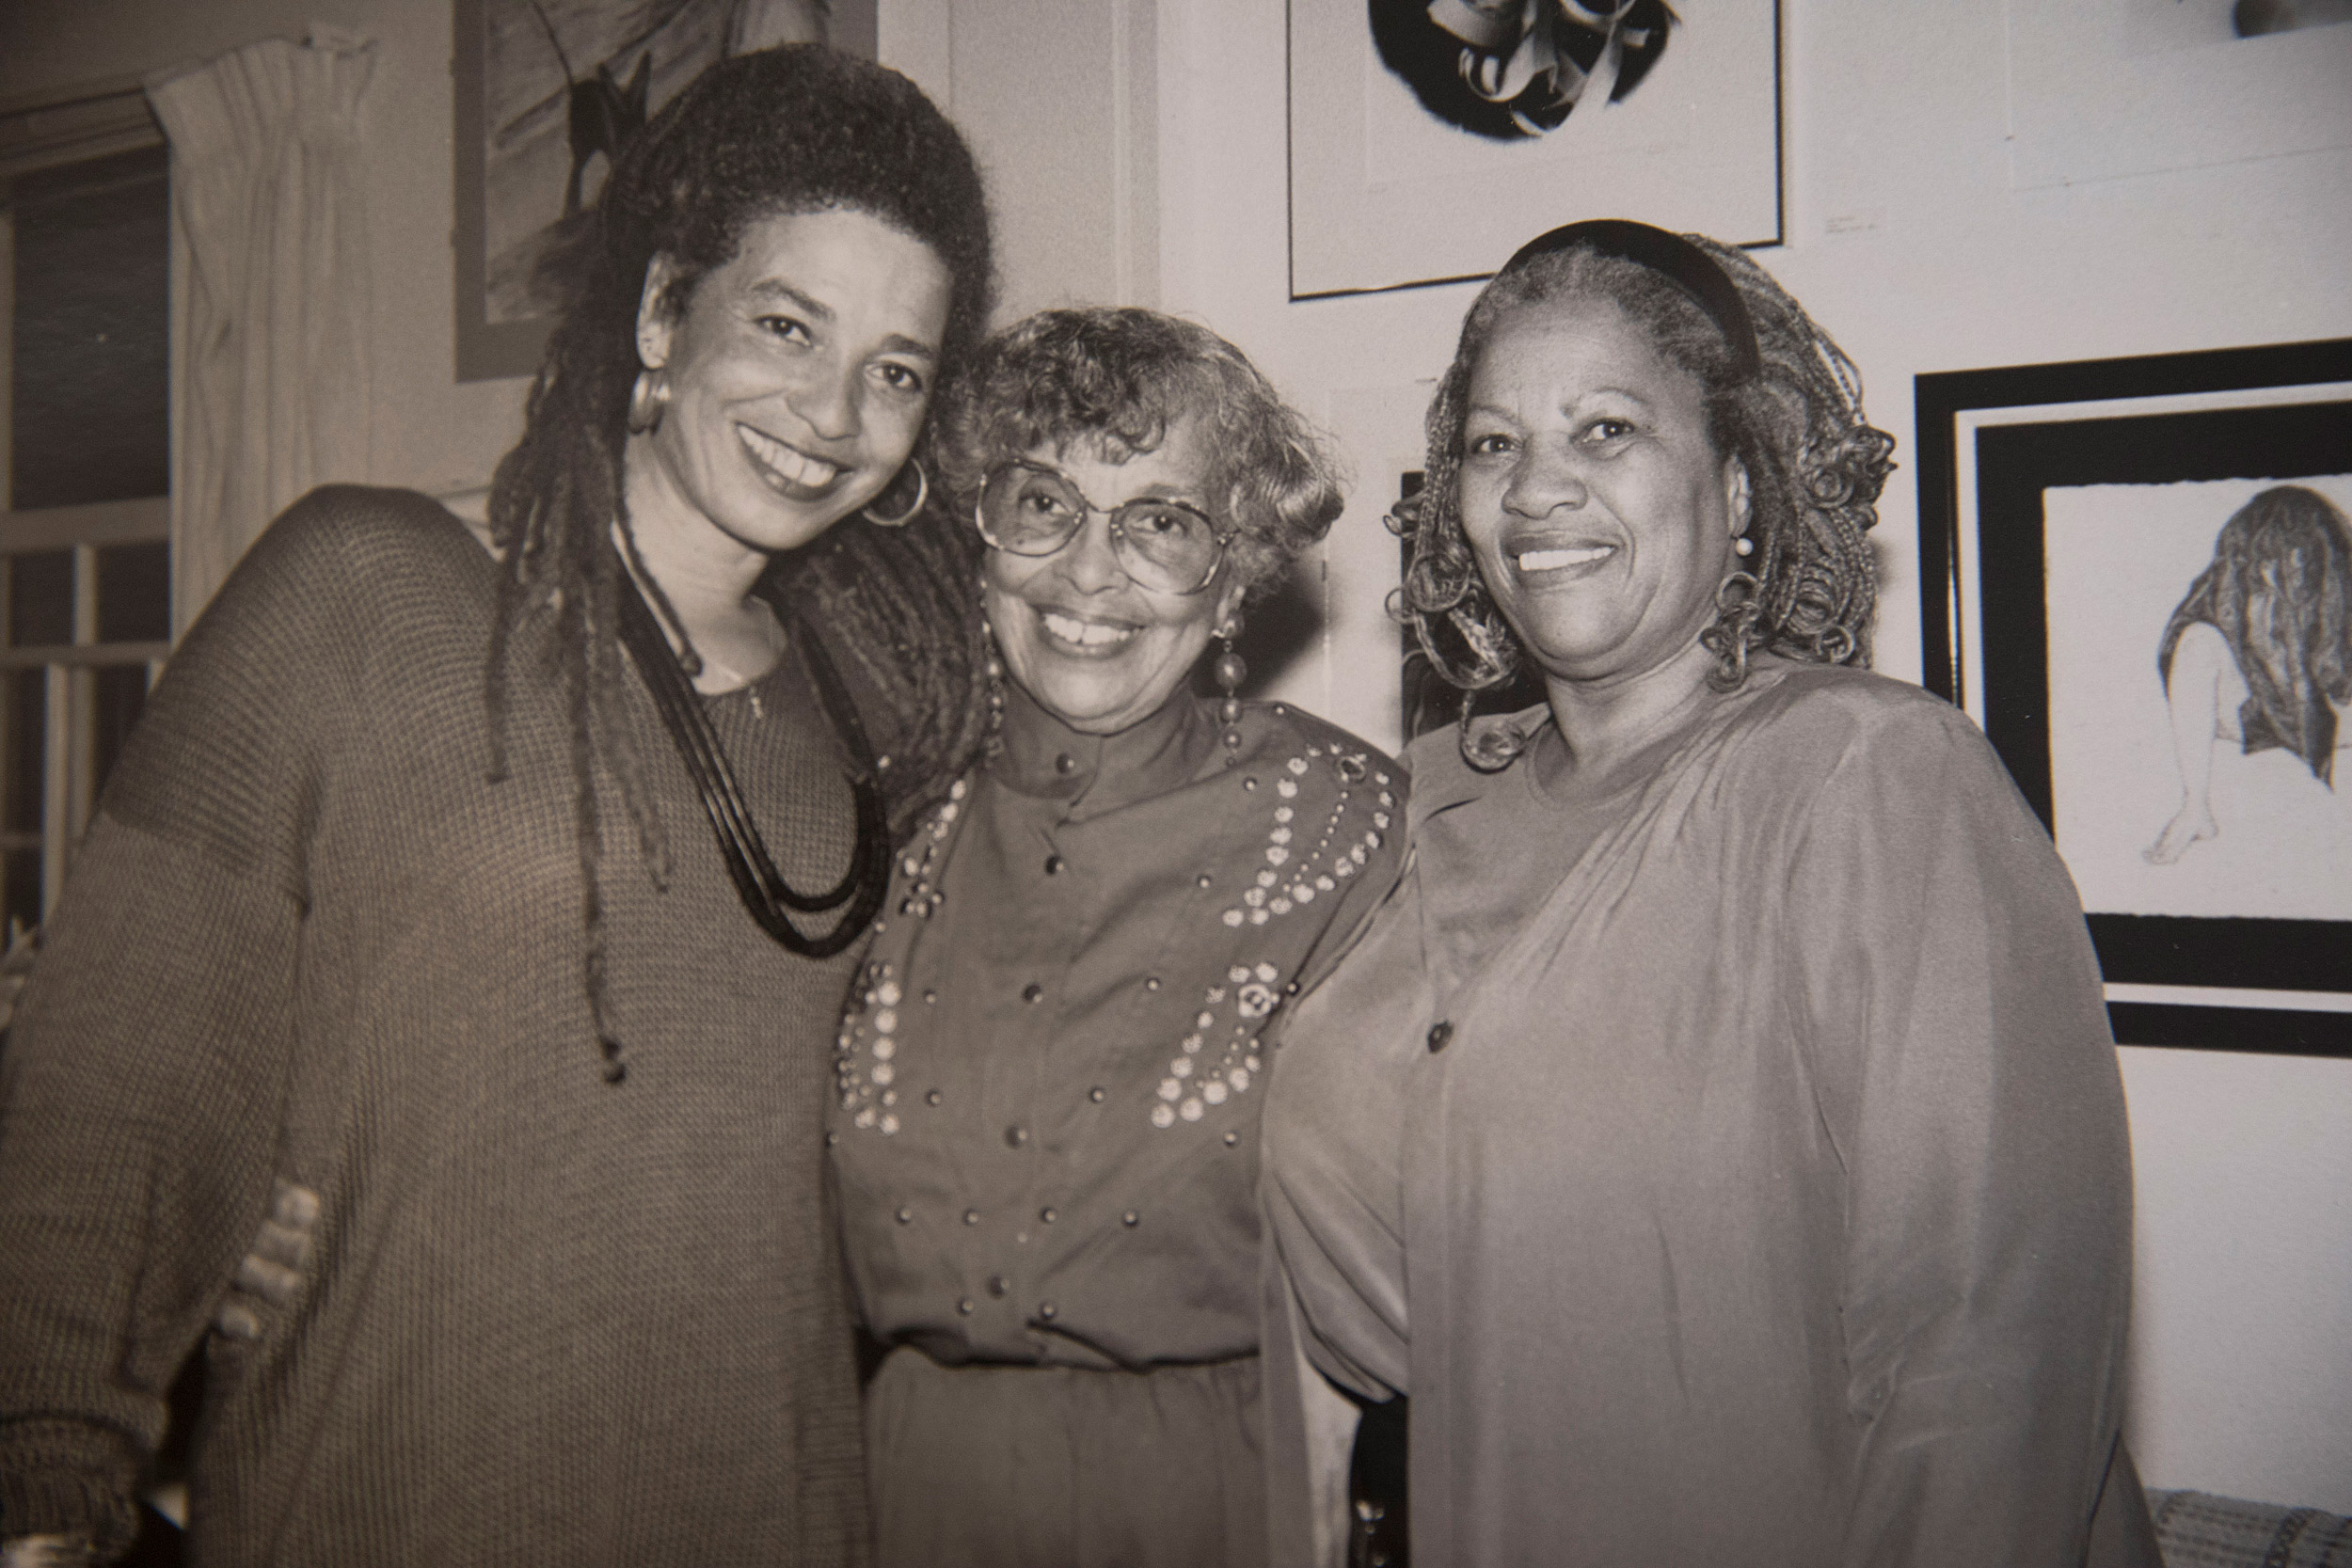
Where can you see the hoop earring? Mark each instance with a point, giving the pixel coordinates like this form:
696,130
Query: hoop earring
922,494
1230,671
1738,591
648,396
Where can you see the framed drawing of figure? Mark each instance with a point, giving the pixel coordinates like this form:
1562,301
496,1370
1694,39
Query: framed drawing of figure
2137,578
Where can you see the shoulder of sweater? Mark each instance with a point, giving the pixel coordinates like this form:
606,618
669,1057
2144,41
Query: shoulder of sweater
340,538
324,561
1800,721
1442,775
328,580
367,519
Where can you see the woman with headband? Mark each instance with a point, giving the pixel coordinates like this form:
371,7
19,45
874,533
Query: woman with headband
1717,1133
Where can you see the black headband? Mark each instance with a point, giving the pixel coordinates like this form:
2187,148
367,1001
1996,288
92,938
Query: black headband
1669,255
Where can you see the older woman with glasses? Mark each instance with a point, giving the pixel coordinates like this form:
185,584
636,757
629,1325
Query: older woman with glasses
1047,1130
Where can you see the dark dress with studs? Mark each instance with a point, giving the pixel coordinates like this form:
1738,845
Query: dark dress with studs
1046,1133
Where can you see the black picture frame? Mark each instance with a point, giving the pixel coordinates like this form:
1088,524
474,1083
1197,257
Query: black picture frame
2021,430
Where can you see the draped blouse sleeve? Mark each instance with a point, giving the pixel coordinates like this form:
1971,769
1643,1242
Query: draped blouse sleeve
1951,1003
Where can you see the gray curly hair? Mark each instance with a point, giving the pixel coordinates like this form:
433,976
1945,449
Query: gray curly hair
1122,376
1815,469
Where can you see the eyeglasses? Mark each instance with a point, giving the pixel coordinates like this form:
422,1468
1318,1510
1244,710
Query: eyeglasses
1031,509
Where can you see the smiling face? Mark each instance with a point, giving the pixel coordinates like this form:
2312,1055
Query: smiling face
1095,648
1600,513
798,373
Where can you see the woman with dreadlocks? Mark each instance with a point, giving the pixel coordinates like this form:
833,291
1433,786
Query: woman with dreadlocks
497,1002
2259,651
1717,1134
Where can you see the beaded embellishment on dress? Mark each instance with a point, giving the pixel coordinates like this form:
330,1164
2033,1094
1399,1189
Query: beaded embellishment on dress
1219,1055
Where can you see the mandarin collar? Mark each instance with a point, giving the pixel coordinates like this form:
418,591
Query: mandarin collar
1045,758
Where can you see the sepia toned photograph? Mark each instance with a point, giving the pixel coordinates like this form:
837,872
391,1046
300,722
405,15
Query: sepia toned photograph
1175,784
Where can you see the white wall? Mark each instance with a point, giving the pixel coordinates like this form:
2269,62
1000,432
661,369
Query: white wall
2241,1375
1058,100
1906,239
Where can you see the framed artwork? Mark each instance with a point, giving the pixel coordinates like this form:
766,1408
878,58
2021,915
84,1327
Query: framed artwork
547,91
2104,88
2136,576
1430,138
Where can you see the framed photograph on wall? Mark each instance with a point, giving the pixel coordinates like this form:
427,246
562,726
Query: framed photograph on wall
1431,138
547,91
2136,576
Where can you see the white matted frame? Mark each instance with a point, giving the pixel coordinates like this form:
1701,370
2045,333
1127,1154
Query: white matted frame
1386,194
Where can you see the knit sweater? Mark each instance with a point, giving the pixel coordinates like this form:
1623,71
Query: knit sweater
538,1318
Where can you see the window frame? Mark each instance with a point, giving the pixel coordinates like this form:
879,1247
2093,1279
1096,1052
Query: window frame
42,132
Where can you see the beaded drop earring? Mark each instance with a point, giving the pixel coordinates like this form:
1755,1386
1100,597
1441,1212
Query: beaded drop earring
992,745
1231,670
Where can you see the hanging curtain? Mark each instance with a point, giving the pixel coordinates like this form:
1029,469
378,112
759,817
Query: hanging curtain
271,304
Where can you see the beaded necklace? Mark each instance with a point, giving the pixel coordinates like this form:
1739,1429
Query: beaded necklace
762,887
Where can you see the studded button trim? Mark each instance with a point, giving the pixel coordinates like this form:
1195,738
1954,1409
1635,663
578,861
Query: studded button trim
1219,1056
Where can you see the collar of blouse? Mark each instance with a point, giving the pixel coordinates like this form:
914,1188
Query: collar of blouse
1046,759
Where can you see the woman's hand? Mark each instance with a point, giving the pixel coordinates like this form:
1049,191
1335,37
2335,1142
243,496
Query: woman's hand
272,1271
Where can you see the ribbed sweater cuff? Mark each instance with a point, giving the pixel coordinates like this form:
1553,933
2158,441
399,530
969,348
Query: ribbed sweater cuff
50,1488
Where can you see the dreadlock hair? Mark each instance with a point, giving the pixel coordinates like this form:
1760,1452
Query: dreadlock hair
2280,592
799,129
1120,377
1815,469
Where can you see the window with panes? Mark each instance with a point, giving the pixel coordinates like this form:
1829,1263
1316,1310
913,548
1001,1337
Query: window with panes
85,466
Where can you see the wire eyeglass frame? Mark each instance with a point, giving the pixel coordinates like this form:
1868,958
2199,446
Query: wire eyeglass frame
1130,556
